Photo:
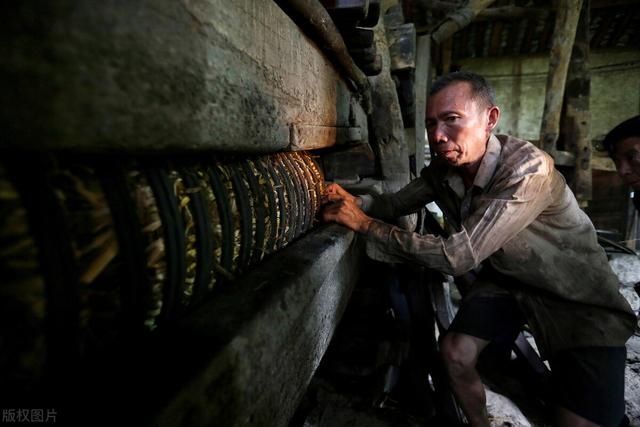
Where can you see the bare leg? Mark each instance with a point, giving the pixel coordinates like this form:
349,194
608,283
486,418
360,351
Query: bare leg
460,353
567,418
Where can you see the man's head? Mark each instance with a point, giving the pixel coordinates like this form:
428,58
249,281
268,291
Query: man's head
623,145
461,113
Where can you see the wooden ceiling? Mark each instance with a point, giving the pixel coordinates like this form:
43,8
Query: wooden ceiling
525,27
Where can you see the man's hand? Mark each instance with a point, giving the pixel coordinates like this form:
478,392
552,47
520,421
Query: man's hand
347,213
334,193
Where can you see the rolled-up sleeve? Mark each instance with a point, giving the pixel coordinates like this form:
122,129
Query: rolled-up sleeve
496,218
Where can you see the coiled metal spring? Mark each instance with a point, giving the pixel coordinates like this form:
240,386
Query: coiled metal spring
91,249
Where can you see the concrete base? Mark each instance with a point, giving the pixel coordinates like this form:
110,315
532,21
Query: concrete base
247,355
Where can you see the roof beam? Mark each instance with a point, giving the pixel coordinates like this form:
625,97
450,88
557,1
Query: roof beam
459,19
511,12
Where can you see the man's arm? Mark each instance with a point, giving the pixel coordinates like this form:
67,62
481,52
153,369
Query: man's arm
407,200
496,220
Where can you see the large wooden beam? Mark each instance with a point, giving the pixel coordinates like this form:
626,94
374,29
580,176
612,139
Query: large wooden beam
563,36
459,19
160,75
578,115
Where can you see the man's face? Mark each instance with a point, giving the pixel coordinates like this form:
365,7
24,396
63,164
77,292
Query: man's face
459,127
627,159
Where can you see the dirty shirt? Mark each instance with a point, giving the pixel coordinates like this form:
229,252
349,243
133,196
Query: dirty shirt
521,218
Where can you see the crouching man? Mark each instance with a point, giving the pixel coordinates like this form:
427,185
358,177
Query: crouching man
535,251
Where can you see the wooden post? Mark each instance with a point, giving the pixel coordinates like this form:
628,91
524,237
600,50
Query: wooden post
577,114
459,19
423,66
564,33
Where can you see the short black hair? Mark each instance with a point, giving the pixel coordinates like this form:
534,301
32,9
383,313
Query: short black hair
627,129
480,88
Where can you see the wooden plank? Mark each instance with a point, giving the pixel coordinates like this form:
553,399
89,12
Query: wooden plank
563,37
387,135
161,75
603,164
578,115
459,19
423,67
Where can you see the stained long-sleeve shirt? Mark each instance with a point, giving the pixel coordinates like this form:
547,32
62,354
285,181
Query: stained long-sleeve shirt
520,216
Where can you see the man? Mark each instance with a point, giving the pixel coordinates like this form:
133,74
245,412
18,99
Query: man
623,145
518,224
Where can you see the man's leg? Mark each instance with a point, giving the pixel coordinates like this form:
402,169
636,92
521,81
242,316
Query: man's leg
588,386
485,316
460,353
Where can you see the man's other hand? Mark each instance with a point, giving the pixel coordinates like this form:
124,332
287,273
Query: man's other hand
334,193
346,212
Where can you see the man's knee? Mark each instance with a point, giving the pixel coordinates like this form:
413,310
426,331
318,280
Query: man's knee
460,352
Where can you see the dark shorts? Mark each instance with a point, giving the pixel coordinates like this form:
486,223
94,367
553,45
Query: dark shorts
588,381
494,318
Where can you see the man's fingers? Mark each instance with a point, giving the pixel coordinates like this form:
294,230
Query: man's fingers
334,197
332,188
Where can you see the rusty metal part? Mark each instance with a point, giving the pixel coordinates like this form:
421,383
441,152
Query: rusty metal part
289,206
148,238
293,177
224,223
270,200
202,231
260,209
303,183
234,214
149,299
215,231
314,197
187,249
246,213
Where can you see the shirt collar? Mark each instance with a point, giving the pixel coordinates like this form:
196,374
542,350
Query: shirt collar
485,172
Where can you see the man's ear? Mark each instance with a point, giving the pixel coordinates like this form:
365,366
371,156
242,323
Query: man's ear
493,115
